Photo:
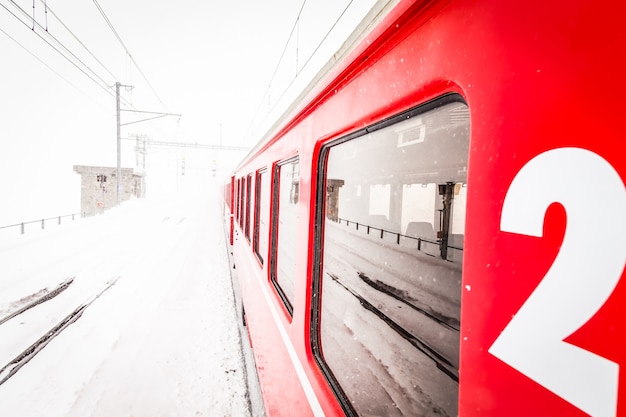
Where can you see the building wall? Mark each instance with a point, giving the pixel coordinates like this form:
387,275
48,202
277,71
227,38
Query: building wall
99,184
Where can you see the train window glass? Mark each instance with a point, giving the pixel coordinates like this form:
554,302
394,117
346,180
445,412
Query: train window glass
236,200
284,229
248,203
386,329
261,212
236,208
241,201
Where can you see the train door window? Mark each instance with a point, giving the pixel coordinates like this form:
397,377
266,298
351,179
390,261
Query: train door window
248,203
284,229
261,212
385,330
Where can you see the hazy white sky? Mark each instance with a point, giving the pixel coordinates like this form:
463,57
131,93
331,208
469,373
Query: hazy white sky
211,61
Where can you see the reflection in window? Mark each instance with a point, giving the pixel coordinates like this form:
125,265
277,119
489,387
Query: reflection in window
261,211
284,228
390,281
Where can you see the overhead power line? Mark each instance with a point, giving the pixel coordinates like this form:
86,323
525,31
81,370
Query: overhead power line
38,59
49,67
280,60
325,37
63,50
104,16
306,63
174,144
60,48
48,9
282,55
311,56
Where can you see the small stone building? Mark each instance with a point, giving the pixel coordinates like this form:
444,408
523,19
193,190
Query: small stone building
98,189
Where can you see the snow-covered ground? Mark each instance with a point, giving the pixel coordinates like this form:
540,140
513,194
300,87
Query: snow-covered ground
161,336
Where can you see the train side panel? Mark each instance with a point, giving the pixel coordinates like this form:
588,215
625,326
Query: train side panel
542,289
531,161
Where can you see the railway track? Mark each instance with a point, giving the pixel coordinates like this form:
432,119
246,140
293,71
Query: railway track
30,302
18,307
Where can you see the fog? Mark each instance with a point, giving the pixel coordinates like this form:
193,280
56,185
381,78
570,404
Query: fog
223,66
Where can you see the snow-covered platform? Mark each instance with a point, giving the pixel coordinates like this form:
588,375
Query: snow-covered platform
159,335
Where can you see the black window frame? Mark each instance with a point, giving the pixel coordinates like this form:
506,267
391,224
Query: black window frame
241,202
248,192
319,218
258,189
274,232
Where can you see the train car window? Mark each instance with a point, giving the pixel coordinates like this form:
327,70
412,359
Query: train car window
261,211
284,229
241,201
236,199
386,329
248,203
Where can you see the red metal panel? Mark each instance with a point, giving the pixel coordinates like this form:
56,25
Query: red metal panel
542,81
536,88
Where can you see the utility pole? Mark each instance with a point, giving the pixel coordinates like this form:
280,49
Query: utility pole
140,149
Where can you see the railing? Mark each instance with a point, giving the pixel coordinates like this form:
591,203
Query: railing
22,225
398,235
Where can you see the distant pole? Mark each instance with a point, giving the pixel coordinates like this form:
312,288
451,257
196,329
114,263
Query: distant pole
119,142
119,135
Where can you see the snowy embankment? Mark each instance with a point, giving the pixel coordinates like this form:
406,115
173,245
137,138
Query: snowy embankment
163,340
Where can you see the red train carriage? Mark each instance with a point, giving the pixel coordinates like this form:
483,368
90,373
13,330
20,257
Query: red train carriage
437,226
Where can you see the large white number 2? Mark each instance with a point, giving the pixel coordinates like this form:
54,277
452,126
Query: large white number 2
581,279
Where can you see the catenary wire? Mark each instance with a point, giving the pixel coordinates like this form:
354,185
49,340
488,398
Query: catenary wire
77,39
100,83
282,55
324,38
301,69
104,16
69,55
311,56
37,58
50,68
